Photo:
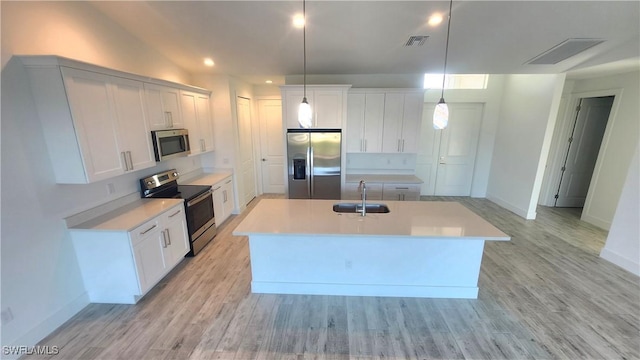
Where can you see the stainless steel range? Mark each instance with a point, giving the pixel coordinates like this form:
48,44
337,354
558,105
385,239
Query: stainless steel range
198,203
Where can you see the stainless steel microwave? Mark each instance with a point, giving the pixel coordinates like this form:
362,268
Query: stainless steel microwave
169,144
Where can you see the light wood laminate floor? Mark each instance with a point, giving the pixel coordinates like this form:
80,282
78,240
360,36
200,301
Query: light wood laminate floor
544,295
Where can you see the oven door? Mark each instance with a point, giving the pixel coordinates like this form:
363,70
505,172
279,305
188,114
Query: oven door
201,221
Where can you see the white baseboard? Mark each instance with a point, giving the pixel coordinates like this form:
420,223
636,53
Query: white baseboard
514,209
631,265
46,327
602,224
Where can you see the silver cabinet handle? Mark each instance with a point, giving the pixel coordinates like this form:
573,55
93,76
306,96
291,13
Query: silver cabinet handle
365,145
217,188
402,188
228,181
175,213
168,118
124,159
167,236
149,229
402,145
130,160
164,240
224,195
202,145
399,146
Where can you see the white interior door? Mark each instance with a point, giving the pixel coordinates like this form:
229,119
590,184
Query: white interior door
458,146
446,158
247,161
588,131
271,145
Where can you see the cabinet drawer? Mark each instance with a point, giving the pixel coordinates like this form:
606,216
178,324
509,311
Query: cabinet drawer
173,213
144,230
401,192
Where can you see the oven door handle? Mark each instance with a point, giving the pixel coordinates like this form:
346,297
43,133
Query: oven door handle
199,198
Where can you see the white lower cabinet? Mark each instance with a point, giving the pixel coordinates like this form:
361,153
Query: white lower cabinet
121,266
382,191
401,192
223,199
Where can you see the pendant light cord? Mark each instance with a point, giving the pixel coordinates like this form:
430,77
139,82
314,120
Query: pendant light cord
446,49
304,48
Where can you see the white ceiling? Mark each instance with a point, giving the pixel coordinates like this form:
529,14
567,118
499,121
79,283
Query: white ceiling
254,40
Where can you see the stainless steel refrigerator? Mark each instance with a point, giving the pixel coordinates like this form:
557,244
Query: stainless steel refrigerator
313,159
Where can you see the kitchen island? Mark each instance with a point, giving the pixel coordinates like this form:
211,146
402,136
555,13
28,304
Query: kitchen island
418,249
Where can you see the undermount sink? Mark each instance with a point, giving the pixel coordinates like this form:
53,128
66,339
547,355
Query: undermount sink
357,207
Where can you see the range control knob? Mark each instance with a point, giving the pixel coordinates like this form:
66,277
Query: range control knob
149,182
175,174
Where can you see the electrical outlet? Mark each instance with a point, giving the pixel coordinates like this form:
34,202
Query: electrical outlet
6,316
111,189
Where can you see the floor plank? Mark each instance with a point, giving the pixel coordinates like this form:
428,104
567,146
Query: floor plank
544,295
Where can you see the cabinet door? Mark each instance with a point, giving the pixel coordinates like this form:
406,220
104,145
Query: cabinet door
175,236
373,120
355,122
293,98
163,107
228,198
190,117
93,113
205,122
134,136
411,121
149,257
327,107
218,203
392,123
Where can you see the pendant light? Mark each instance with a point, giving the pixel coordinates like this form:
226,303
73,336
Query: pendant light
441,112
304,112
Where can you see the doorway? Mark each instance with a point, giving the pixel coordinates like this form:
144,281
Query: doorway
446,158
272,156
583,145
247,160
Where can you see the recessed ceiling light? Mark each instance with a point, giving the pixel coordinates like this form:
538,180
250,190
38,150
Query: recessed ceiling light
298,21
269,82
435,19
208,62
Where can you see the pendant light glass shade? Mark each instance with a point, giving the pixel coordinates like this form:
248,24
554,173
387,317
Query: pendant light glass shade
440,115
304,114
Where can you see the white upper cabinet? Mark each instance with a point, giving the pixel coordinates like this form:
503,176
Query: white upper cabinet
108,115
328,105
163,107
196,112
96,121
365,113
402,120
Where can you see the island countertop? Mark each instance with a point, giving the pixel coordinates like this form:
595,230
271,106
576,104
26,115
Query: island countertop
427,219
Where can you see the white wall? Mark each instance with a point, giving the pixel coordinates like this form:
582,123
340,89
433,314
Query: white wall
623,243
527,117
40,281
618,145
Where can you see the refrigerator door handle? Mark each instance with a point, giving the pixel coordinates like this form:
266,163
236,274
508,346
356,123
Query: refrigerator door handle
311,190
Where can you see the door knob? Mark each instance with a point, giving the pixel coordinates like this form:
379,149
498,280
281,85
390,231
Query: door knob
263,159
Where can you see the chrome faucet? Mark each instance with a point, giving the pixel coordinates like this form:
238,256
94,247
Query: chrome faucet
363,190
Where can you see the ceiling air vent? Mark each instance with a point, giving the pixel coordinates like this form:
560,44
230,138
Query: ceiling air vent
563,51
416,40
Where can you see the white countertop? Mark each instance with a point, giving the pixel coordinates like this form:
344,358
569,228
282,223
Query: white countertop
208,179
430,219
396,179
130,216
